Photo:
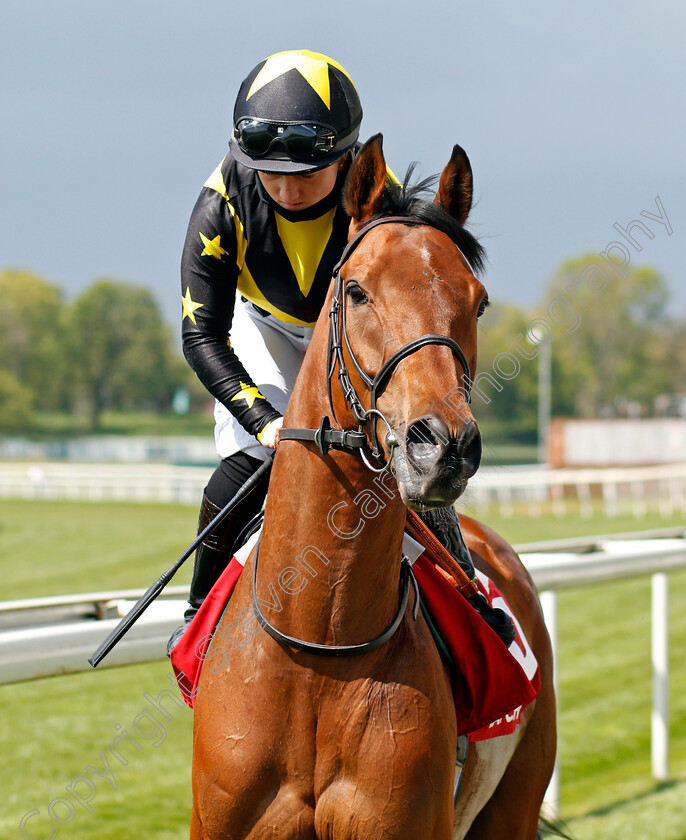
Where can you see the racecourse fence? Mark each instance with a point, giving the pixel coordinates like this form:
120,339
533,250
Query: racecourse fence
510,491
571,563
156,483
612,491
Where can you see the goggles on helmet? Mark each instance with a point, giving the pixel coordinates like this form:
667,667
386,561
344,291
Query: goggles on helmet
299,141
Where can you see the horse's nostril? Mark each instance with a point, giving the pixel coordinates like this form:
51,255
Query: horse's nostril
426,441
420,433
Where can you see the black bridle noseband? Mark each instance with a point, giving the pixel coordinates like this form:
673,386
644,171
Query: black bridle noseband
355,441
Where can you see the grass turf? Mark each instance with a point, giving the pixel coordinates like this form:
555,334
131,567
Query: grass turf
60,728
54,728
57,548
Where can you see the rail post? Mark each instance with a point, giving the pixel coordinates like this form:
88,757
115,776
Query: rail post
551,800
659,739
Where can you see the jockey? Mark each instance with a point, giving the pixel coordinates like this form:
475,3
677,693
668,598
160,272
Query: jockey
262,242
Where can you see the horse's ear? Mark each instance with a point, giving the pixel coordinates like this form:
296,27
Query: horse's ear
364,187
456,186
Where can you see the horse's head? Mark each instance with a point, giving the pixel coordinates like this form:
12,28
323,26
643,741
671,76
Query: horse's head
407,286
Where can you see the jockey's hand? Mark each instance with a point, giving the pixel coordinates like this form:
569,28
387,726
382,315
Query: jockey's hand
269,436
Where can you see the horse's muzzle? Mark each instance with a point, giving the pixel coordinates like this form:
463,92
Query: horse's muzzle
432,466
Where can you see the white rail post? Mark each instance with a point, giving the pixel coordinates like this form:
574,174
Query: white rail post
551,800
660,655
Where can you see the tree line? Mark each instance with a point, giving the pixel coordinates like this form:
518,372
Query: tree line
613,353
107,349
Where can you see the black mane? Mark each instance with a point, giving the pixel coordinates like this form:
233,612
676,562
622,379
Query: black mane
411,200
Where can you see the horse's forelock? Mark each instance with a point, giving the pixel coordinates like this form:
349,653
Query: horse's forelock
411,200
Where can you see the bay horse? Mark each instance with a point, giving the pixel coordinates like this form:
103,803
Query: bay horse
297,746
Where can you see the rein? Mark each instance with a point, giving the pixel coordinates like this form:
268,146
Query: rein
352,441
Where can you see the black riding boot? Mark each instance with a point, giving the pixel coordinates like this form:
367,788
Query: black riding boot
211,558
445,525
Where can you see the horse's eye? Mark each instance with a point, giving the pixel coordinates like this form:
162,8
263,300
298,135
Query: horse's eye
482,307
355,294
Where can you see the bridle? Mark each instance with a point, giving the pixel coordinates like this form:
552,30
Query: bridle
356,441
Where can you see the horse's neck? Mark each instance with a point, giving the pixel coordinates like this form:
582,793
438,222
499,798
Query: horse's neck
331,545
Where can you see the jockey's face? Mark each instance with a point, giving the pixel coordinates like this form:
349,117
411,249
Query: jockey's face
300,192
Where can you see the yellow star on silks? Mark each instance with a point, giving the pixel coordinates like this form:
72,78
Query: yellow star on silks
314,67
189,305
213,247
249,394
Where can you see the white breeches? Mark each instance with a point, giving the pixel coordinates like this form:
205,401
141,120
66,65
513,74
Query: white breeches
272,353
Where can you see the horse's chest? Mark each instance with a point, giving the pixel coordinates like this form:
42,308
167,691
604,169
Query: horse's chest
383,753
353,757
387,718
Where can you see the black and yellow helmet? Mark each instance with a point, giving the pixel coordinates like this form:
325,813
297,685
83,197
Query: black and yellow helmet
296,112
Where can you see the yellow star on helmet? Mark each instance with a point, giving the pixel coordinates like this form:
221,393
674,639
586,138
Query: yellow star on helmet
189,305
314,67
249,393
213,247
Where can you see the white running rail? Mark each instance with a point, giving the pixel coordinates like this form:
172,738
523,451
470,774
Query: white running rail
511,491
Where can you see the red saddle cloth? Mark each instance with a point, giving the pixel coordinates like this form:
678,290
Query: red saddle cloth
491,683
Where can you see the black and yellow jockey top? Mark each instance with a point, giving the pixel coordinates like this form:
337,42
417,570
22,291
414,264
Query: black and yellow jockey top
281,261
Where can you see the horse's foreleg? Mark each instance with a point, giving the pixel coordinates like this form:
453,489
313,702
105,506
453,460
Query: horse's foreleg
197,831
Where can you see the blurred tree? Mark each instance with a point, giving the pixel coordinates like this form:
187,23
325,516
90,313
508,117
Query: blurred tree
672,358
121,354
608,344
32,338
513,407
15,403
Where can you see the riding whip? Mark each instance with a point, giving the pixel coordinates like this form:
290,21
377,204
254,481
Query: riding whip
149,596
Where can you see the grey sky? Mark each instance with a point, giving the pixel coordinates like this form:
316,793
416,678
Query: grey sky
114,114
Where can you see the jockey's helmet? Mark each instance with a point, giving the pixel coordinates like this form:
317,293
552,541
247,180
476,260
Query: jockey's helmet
297,111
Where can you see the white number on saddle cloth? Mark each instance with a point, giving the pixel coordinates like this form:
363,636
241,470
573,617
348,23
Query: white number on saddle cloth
520,648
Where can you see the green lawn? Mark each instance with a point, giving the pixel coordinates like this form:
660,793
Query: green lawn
55,548
54,728
60,426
